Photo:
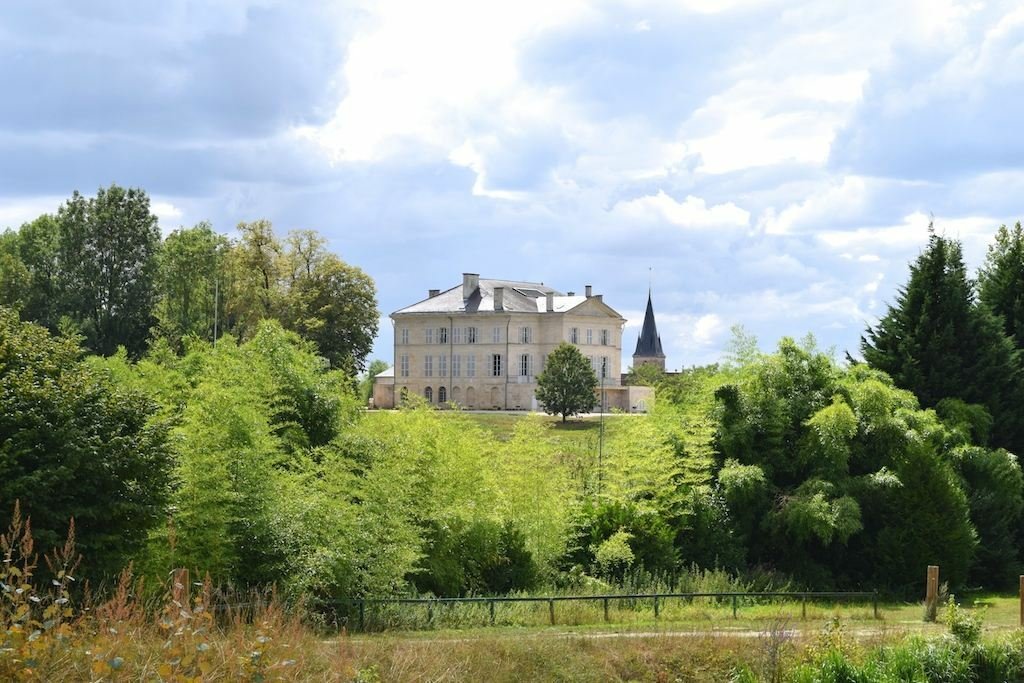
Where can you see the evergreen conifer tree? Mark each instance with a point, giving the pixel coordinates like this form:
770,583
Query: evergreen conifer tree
1001,280
939,342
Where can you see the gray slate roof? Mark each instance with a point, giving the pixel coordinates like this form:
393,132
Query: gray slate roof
518,297
649,343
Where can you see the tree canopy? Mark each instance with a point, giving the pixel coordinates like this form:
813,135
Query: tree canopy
939,342
567,383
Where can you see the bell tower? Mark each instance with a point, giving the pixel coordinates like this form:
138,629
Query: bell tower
648,346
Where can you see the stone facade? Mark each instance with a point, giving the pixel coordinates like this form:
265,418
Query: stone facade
481,345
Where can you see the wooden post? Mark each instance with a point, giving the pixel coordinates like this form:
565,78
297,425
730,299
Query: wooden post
931,599
1022,600
606,609
492,612
551,611
656,602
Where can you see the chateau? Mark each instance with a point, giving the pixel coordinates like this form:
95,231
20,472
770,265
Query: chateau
481,345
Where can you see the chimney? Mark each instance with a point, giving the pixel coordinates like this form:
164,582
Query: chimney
432,293
470,281
499,298
550,303
590,291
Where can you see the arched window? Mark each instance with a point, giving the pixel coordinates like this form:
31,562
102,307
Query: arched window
428,394
442,394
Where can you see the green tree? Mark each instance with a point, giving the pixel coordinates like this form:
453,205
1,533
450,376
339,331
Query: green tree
106,267
646,375
28,271
74,444
567,384
376,367
937,342
255,269
190,266
1001,280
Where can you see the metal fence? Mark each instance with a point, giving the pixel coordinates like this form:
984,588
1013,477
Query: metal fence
659,601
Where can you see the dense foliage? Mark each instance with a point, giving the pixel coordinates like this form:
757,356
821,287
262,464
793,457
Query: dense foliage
939,342
566,385
98,266
74,444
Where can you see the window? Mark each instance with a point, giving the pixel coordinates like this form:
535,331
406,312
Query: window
604,367
604,337
471,365
525,335
457,334
405,335
404,366
456,365
590,336
442,335
442,394
496,335
442,366
428,366
428,335
471,335
496,365
525,365
428,394
574,335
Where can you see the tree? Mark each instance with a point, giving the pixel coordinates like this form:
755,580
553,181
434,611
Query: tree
567,384
73,444
1001,280
645,374
376,367
937,342
190,265
28,271
334,305
106,267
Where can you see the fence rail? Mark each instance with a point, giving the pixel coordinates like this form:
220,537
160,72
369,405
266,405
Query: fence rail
658,599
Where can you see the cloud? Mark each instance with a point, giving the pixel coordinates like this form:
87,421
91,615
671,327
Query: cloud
692,213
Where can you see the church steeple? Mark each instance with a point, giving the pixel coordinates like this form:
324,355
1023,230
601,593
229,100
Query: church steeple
648,346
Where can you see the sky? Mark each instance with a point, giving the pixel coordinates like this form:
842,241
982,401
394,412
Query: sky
767,164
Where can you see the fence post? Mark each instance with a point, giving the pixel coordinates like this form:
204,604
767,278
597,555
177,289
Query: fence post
430,611
492,612
551,611
803,606
733,605
362,614
931,599
656,602
874,600
1022,600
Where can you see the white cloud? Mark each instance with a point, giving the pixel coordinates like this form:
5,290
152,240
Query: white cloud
693,213
15,212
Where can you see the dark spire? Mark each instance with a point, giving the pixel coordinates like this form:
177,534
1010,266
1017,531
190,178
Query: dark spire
649,343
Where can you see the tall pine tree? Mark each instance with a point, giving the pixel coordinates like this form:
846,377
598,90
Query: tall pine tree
940,342
1001,280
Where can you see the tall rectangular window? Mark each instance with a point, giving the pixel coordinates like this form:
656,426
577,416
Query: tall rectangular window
590,336
457,334
442,335
456,365
405,335
574,335
442,366
604,337
496,365
428,335
428,366
525,335
496,335
471,335
526,365
471,365
404,366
